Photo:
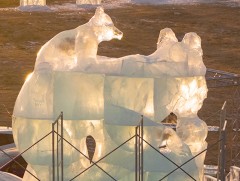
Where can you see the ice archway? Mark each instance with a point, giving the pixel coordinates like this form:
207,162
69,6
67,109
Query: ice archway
105,97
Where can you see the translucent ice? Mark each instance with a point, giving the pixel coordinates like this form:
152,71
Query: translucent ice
77,48
88,2
32,2
105,97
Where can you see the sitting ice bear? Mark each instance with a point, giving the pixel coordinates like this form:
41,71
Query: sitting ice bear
78,47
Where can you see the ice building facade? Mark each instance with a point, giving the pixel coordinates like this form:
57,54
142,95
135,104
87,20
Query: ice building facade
104,98
32,2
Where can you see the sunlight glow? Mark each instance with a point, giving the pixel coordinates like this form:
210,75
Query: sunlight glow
28,77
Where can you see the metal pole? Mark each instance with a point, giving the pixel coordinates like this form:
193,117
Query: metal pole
142,148
62,144
136,155
221,130
223,115
139,153
53,161
57,153
222,161
219,156
223,157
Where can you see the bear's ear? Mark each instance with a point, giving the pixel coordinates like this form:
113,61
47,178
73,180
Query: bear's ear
99,17
99,11
165,35
192,40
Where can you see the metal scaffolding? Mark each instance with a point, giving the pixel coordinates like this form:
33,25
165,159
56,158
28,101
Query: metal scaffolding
57,154
221,79
235,153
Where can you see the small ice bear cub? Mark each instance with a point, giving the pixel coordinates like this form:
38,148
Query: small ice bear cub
77,48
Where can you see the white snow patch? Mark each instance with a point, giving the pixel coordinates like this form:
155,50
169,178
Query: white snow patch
4,176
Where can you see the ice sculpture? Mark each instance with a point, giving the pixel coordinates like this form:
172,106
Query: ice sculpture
77,48
103,99
32,2
88,2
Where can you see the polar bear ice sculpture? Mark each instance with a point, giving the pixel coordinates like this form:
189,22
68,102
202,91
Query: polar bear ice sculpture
105,98
78,47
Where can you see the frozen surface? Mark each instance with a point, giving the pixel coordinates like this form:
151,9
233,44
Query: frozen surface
105,97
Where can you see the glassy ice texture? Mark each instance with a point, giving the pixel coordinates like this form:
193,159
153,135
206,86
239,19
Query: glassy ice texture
88,2
103,99
32,2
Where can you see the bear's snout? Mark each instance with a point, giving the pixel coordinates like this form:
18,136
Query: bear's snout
118,34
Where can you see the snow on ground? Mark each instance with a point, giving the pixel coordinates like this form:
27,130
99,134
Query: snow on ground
11,150
4,176
109,4
8,146
5,130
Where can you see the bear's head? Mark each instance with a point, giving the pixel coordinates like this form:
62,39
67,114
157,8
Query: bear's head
166,35
104,27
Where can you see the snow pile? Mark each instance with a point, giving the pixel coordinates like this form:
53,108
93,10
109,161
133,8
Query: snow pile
103,98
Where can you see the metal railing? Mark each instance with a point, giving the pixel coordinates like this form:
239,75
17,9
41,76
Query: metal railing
13,159
222,145
58,146
139,151
58,142
59,160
